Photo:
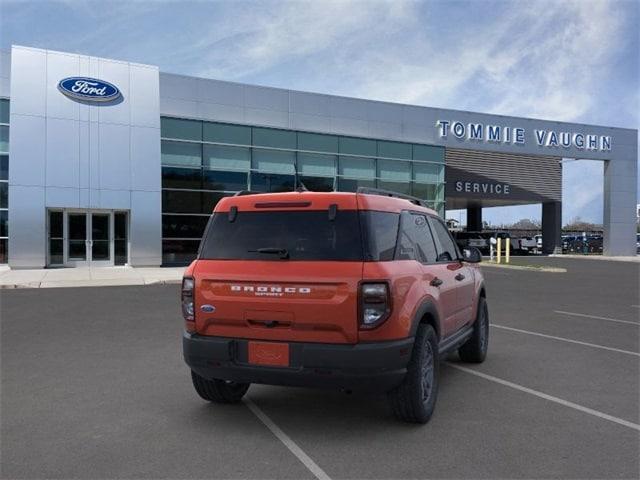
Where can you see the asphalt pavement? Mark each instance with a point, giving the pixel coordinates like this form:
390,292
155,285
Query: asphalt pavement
94,386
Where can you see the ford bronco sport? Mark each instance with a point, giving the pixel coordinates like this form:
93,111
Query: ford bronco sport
355,291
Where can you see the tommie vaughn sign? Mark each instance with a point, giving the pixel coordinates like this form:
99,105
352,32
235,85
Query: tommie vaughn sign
88,89
516,135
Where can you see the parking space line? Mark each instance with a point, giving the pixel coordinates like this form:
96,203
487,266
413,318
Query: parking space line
563,339
608,319
287,441
551,398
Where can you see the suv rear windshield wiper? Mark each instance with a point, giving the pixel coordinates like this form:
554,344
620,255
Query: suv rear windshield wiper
282,252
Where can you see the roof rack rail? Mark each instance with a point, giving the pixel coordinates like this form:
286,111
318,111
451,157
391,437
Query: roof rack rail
388,193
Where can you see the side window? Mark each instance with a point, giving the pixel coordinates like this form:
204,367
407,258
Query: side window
380,234
415,241
447,251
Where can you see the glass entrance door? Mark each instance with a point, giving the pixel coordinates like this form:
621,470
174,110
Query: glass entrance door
82,238
100,242
77,239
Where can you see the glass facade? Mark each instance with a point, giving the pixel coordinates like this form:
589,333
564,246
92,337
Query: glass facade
4,180
205,161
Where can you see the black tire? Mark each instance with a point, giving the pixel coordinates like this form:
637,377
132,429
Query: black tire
414,400
219,391
474,350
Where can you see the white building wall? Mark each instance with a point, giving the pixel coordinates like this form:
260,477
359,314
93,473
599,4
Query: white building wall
71,154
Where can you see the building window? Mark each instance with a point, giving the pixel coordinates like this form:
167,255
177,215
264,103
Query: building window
183,226
4,138
223,133
272,182
274,138
204,161
314,142
180,129
224,181
227,158
180,153
428,153
352,184
179,252
428,173
273,161
120,238
395,150
356,167
4,167
4,195
358,146
176,177
4,111
4,180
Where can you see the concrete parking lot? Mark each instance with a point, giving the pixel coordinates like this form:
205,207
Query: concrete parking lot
94,386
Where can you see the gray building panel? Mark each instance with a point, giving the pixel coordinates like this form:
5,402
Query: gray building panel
27,224
78,155
27,140
145,228
531,179
217,92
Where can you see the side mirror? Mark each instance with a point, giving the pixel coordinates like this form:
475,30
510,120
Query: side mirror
471,255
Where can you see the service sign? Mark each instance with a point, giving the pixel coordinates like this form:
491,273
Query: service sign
88,89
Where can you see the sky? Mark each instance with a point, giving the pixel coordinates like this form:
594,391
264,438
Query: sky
566,60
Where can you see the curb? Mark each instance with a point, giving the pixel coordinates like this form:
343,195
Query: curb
522,267
600,258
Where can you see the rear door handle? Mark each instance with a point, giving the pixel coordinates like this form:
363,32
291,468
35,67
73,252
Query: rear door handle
436,282
459,277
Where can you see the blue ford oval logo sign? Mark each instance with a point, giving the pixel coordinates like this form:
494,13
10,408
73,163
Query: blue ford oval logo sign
90,89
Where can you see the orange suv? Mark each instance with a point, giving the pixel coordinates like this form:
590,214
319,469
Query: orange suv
355,291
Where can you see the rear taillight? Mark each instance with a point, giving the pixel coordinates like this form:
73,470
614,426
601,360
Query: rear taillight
187,299
375,304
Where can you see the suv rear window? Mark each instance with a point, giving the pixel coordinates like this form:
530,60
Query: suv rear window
295,235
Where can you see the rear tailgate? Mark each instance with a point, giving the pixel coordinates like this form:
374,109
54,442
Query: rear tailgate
278,300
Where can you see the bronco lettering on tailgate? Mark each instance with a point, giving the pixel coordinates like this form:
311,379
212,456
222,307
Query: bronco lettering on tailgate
269,290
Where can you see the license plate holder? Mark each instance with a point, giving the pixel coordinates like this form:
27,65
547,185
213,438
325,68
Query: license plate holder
270,354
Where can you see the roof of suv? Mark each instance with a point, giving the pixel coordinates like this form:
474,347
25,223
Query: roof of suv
318,201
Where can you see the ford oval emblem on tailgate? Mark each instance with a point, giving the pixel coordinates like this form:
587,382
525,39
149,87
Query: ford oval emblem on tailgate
208,308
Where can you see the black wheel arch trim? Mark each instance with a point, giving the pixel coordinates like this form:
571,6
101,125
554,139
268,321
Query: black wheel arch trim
427,307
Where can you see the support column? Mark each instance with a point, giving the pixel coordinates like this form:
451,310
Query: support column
474,219
620,198
552,227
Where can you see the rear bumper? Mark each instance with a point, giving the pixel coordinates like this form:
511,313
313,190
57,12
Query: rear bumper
362,367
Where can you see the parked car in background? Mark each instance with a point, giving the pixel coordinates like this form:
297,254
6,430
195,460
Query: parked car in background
528,245
471,239
538,248
583,244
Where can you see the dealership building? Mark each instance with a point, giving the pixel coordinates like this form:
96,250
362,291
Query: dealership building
107,162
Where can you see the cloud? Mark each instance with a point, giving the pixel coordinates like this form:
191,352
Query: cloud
582,190
272,34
